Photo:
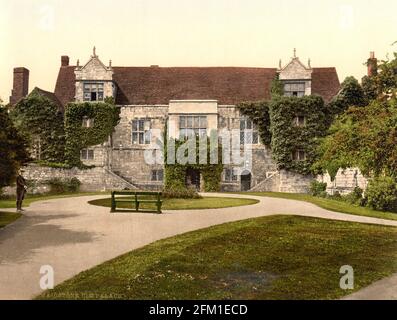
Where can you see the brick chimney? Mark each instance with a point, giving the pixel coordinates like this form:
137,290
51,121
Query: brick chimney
64,61
372,64
20,87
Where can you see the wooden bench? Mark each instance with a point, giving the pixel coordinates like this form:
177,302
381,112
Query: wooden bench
135,199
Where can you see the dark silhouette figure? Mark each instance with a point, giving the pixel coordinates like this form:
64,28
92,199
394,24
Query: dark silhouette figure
21,190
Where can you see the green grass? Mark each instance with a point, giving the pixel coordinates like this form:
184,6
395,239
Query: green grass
276,257
8,217
182,204
329,204
10,203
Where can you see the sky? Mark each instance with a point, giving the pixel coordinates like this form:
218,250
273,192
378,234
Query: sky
256,33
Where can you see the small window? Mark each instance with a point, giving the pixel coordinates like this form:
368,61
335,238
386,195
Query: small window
248,132
93,91
157,175
141,131
299,121
88,122
87,154
299,155
230,175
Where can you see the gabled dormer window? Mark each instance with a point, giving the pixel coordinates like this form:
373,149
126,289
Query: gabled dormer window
294,89
93,91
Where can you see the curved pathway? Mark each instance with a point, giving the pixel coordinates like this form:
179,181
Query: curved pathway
71,236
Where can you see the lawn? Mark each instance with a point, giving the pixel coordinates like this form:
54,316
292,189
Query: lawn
183,204
329,204
10,203
8,217
276,257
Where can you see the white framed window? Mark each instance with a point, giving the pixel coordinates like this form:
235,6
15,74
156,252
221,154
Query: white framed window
294,89
299,155
299,121
87,154
248,133
93,91
157,175
87,122
230,175
141,131
192,125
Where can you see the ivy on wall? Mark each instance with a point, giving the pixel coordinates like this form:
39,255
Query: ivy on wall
40,122
105,116
287,137
175,174
258,112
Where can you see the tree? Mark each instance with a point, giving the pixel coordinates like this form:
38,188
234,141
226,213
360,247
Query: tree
350,94
38,118
383,85
13,152
365,138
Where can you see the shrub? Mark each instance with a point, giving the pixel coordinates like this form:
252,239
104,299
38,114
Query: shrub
188,193
381,194
336,196
355,197
58,185
318,188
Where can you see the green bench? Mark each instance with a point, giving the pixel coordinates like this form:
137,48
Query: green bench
136,199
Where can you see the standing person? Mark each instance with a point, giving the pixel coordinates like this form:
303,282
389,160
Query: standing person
21,190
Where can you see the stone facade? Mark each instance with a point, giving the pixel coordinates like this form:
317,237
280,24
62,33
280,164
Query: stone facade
155,99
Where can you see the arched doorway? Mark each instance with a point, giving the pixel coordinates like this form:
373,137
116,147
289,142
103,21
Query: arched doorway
245,180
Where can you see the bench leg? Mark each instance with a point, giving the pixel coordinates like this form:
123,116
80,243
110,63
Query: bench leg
137,206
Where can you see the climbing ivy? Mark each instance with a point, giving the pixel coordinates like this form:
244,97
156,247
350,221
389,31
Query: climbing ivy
175,173
287,137
258,112
40,122
105,116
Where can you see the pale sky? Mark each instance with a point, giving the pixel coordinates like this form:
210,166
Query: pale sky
341,33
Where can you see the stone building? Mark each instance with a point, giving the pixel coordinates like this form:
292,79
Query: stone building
201,99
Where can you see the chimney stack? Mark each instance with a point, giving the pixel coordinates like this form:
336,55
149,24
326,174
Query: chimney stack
20,87
372,64
64,61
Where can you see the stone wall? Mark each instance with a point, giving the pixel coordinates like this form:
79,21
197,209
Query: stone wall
95,179
345,181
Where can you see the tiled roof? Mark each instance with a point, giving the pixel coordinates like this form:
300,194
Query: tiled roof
325,82
228,85
155,85
65,85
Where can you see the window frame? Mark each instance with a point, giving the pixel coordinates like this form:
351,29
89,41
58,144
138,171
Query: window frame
230,176
87,122
192,124
296,121
142,133
95,87
296,155
157,175
87,154
290,92
250,128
